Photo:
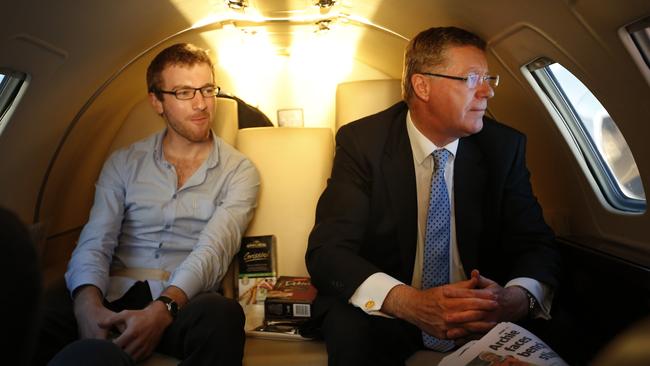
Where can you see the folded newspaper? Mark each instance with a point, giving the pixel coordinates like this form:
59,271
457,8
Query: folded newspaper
505,344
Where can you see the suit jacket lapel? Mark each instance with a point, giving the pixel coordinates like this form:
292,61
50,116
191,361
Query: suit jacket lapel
469,191
399,176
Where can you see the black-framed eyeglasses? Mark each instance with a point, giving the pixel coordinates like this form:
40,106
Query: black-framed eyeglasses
189,93
472,79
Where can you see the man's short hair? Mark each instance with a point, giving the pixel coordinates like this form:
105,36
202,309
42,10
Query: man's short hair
185,54
428,48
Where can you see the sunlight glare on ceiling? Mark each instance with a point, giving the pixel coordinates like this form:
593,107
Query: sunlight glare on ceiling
307,63
279,56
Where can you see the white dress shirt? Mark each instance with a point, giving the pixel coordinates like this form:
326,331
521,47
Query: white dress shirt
370,295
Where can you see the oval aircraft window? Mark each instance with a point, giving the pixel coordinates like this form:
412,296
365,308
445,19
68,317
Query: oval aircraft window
596,135
11,89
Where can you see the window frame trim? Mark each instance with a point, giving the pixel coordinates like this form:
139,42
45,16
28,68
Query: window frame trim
19,83
598,174
630,44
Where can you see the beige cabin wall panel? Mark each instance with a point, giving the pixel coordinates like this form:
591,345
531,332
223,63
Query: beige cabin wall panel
56,255
69,48
513,105
604,17
382,51
66,202
30,136
485,18
516,104
410,17
53,97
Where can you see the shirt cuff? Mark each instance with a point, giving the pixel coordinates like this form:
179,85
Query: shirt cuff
542,293
74,281
370,295
186,281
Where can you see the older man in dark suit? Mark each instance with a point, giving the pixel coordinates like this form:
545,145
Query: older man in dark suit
422,197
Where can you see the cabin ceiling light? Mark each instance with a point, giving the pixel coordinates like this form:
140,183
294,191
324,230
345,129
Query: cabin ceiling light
236,4
323,4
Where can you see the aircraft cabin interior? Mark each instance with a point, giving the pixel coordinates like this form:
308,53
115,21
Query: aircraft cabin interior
574,78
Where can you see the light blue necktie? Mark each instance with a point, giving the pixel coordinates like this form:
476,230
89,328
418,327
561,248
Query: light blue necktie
435,270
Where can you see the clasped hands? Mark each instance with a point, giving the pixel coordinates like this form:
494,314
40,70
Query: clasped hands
139,330
460,311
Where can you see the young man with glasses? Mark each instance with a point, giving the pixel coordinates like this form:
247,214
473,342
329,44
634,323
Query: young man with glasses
428,233
167,220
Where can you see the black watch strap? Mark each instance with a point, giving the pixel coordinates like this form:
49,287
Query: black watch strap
532,301
171,305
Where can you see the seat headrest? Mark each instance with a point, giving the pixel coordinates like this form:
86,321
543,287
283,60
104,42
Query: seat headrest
357,99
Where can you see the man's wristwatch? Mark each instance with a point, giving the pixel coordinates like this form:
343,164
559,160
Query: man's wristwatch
171,305
532,302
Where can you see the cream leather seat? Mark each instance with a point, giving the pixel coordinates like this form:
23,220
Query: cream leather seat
294,164
356,99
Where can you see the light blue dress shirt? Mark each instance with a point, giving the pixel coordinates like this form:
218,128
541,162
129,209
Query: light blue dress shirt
141,220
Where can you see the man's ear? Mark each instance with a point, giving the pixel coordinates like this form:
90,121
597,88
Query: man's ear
155,103
421,88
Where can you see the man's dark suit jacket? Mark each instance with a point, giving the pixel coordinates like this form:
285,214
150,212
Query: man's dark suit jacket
366,219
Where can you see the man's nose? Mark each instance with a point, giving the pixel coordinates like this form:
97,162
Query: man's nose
484,90
198,102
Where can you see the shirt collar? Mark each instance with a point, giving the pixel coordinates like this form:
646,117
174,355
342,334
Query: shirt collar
422,147
213,158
